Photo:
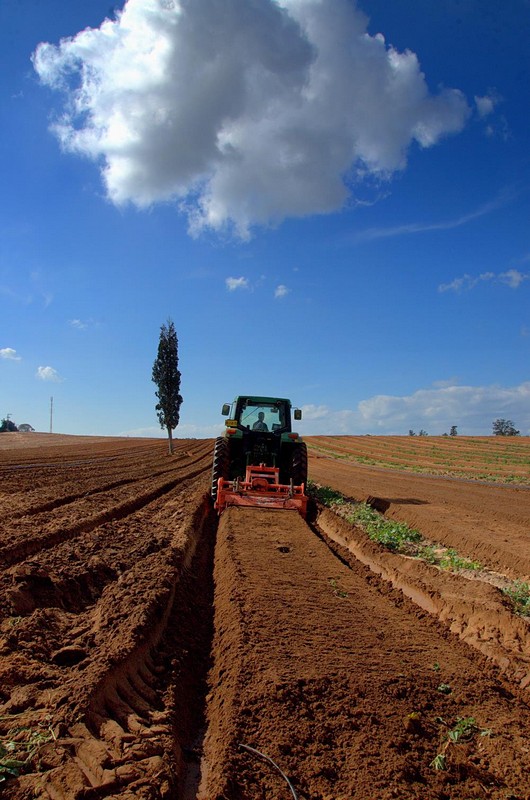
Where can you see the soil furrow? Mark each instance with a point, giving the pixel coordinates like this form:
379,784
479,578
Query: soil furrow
25,548
356,678
475,611
72,574
337,678
486,523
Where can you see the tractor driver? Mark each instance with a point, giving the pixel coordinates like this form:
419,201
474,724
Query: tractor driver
260,425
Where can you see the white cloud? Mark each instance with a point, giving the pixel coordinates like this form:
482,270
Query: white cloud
486,104
236,283
244,112
471,408
312,412
9,354
281,291
512,278
48,374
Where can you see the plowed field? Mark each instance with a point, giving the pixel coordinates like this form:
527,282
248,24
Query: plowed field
145,647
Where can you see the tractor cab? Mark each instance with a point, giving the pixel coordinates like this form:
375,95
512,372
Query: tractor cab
261,414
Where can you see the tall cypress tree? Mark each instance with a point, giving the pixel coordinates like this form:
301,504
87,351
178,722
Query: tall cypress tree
166,375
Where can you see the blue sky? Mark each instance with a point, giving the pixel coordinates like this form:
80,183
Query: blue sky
330,200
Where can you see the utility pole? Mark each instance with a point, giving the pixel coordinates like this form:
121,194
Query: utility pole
51,414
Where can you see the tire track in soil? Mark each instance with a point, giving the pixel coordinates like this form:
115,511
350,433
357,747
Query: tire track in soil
73,574
124,718
320,665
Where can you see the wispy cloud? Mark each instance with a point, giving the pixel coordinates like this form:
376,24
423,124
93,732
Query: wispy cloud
184,431
48,374
512,278
233,284
9,354
83,324
241,129
424,227
281,291
78,324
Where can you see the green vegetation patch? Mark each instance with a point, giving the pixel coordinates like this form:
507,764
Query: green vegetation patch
19,750
519,594
395,536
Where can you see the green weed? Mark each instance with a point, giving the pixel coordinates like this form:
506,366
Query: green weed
17,756
451,560
395,536
325,495
519,594
464,730
338,590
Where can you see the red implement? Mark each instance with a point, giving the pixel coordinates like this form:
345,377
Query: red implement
261,489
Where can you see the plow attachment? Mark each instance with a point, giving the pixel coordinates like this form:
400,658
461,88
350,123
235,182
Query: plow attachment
261,489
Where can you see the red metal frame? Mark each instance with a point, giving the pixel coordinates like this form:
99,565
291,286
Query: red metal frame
261,489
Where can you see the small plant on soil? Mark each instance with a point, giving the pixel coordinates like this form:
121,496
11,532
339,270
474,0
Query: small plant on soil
519,594
18,752
338,590
446,558
464,730
9,765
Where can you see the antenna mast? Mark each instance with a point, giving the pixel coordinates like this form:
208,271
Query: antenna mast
51,414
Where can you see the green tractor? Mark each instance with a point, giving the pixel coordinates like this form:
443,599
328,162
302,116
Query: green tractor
260,460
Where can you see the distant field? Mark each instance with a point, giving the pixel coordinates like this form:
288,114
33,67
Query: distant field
499,459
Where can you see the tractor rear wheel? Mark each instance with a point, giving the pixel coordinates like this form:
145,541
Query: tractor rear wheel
220,463
299,464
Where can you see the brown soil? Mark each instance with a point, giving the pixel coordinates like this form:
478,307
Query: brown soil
484,522
134,661
503,459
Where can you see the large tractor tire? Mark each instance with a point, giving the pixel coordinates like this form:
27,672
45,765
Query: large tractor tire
220,463
299,464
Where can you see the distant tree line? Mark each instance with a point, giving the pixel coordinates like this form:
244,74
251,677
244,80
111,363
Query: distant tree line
501,427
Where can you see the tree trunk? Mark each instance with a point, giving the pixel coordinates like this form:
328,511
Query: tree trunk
170,437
